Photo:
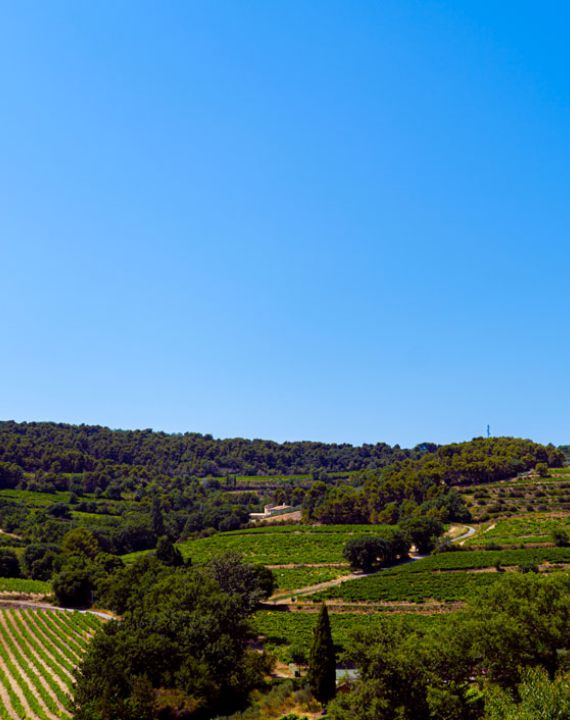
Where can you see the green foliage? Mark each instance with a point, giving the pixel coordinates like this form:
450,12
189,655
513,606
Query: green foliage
286,632
81,542
24,586
40,560
523,621
303,576
167,553
182,635
322,660
365,553
57,448
530,528
423,532
73,585
426,485
281,545
540,698
560,537
9,564
246,583
517,625
10,475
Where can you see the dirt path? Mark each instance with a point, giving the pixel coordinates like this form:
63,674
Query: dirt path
294,566
285,597
310,589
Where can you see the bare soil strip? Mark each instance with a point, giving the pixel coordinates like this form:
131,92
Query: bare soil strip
31,623
18,690
73,656
30,649
5,700
34,666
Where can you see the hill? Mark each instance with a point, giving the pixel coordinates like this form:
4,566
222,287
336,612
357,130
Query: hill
58,447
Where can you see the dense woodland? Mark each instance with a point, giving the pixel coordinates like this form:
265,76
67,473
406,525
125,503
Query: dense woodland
426,485
59,448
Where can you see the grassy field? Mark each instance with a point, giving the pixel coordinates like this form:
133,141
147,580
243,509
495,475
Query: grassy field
278,545
24,586
35,499
38,652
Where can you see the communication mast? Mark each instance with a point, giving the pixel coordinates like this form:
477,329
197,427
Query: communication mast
488,431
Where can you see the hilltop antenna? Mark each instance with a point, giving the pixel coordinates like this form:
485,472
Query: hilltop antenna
488,431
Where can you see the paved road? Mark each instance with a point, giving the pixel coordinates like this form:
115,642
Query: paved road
467,534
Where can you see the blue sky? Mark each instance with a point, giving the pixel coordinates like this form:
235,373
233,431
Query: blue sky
294,220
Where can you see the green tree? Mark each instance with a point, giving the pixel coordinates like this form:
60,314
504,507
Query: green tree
9,564
248,583
156,517
181,638
540,698
73,585
80,541
168,553
423,532
560,537
322,660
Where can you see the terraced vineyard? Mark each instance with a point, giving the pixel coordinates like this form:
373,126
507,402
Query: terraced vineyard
528,529
520,495
39,650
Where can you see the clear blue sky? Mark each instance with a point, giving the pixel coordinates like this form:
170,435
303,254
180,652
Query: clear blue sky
294,220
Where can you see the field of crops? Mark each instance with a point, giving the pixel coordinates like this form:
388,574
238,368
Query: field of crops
24,586
278,545
285,631
38,652
530,528
300,577
520,495
414,587
479,559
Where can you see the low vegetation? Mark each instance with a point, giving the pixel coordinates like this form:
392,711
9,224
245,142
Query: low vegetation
39,651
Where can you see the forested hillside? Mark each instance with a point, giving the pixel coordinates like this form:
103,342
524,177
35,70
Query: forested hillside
57,447
429,483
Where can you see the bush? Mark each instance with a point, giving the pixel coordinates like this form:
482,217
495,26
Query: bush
9,564
73,586
560,537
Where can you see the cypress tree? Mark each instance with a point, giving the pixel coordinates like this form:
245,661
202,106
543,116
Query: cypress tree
322,660
168,553
156,517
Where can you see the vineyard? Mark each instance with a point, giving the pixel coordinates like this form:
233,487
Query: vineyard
289,544
528,529
285,632
39,650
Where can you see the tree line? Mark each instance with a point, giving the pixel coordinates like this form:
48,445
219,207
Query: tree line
62,448
426,485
